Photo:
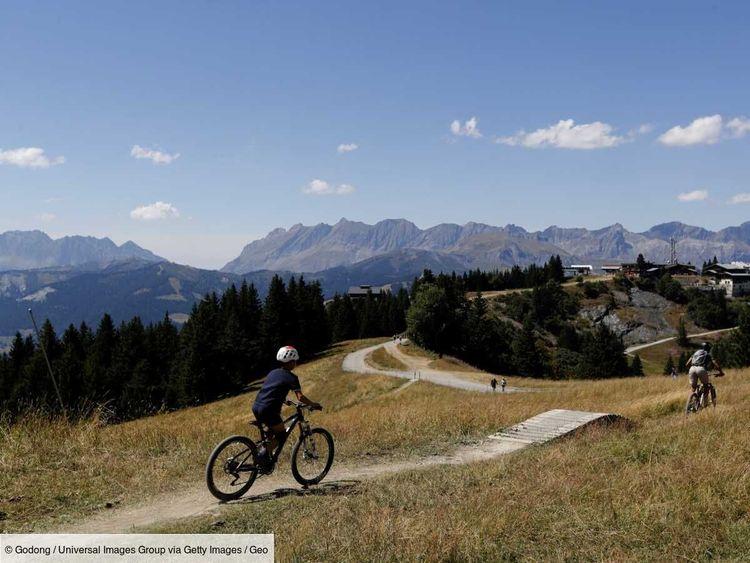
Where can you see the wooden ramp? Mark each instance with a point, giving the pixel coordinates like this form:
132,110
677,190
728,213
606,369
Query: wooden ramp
551,425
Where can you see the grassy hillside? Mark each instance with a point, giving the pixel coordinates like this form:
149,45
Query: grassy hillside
655,357
670,486
382,359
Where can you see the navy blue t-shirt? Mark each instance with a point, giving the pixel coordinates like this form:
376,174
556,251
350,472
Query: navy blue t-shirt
277,385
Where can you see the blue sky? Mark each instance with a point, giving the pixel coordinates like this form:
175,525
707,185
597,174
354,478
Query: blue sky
576,106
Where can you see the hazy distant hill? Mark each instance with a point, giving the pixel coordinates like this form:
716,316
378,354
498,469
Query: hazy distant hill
478,245
24,250
124,290
399,267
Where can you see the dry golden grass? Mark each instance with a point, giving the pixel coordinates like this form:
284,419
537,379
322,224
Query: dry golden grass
411,349
452,364
382,359
671,489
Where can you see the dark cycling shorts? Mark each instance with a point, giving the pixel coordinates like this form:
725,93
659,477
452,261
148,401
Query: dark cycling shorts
269,417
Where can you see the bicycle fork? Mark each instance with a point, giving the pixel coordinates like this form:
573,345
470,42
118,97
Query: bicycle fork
310,450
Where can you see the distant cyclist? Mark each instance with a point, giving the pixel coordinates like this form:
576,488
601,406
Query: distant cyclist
279,382
699,363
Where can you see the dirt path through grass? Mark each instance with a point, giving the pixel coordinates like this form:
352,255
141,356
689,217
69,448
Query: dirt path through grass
196,500
418,369
637,347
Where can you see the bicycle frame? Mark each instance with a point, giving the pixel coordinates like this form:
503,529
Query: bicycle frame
289,425
704,392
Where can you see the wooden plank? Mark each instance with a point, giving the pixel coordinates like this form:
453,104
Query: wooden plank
550,425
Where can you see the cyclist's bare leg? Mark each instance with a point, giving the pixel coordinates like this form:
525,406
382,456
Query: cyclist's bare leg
276,431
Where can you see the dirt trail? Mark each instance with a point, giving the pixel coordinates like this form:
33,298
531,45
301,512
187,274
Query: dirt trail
196,500
418,369
501,292
635,348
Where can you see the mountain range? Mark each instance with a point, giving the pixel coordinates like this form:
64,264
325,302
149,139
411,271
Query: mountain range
476,245
76,278
26,250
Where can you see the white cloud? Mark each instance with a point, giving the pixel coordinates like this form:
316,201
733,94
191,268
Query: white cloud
644,129
740,198
29,157
468,129
347,147
158,210
695,195
702,131
345,189
47,217
565,134
739,126
321,187
157,157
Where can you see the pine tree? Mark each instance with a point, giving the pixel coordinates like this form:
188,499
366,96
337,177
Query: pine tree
369,321
430,318
69,367
276,321
682,337
668,366
343,319
526,355
557,271
98,362
641,263
250,313
636,366
603,354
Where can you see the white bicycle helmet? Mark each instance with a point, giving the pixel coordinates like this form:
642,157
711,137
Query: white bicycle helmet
287,354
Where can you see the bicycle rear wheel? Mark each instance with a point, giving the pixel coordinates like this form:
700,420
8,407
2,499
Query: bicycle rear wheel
693,404
231,469
312,457
711,396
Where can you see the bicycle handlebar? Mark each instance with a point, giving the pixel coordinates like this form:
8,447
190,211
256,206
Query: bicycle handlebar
302,405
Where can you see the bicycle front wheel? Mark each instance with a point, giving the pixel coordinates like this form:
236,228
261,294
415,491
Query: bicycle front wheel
312,457
231,469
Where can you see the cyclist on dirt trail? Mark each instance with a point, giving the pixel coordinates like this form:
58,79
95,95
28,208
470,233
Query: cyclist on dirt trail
271,397
699,363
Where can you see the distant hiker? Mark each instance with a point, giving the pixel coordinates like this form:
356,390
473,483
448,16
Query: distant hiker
503,383
493,384
699,364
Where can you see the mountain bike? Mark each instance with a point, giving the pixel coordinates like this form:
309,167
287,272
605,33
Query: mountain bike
702,397
236,462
